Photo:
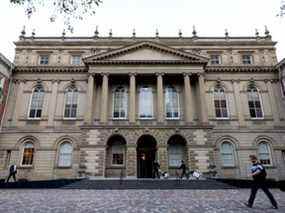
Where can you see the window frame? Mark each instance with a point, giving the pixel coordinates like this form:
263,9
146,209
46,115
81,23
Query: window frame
219,59
122,148
23,154
75,56
42,56
31,101
223,153
270,157
152,103
125,102
227,103
59,154
178,104
77,103
260,101
244,61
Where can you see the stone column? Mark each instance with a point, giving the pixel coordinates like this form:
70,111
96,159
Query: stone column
163,158
132,108
90,99
131,161
202,94
160,105
53,98
18,102
104,99
272,102
238,102
188,94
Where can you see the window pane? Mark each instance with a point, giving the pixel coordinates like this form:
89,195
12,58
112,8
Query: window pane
146,102
264,153
118,159
171,103
120,102
71,99
28,154
65,155
227,153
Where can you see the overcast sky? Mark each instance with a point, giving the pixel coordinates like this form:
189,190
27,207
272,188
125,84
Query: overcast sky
211,17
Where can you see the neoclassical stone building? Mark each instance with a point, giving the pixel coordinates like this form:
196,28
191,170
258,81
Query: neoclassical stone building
110,106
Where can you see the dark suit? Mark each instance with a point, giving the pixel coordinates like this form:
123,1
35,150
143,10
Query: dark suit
12,173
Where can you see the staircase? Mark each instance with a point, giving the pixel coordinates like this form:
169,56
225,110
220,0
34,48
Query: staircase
111,184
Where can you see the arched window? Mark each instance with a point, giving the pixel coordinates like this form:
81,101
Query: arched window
65,154
37,102
71,99
28,154
227,154
120,103
264,153
220,103
254,102
171,103
146,102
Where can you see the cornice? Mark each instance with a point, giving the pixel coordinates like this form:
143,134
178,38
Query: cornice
132,62
240,69
42,69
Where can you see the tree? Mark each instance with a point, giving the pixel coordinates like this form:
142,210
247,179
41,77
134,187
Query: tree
70,10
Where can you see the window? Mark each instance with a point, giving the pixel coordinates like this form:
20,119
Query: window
176,153
117,154
65,155
120,103
283,86
264,153
283,155
220,103
171,103
76,60
254,103
71,99
28,154
44,59
247,59
215,59
37,101
2,81
227,154
146,102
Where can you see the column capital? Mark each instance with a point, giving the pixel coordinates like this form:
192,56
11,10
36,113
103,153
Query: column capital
55,81
159,73
132,74
235,80
200,74
104,74
91,74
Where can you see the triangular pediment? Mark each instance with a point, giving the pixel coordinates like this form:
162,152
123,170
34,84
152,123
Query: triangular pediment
146,52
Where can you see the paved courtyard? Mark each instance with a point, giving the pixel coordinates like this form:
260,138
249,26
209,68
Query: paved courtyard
137,201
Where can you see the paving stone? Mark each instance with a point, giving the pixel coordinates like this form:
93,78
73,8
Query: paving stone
135,201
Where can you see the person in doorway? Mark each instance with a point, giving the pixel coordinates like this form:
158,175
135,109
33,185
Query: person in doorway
183,169
12,172
258,174
156,167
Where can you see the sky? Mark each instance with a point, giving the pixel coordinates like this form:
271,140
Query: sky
210,17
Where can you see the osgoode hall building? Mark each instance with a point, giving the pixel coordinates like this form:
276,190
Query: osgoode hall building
111,106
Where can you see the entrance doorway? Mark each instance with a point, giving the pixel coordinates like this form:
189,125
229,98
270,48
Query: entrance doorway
146,155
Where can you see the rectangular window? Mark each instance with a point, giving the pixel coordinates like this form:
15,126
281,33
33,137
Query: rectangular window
146,102
28,156
247,59
75,59
215,59
44,59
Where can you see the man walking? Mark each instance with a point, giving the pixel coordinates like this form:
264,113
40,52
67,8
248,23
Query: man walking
12,172
258,174
156,168
183,168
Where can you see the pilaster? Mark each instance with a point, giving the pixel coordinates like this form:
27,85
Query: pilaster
160,108
132,108
51,112
104,99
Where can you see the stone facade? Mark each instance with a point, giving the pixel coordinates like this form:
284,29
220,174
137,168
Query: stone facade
107,146
5,72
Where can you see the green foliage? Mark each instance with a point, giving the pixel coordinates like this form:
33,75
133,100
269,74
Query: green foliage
70,10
